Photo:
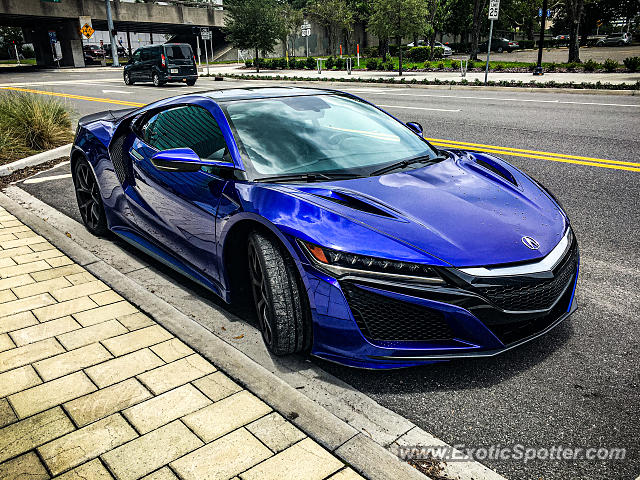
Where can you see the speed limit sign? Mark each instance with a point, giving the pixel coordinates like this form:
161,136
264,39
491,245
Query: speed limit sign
494,8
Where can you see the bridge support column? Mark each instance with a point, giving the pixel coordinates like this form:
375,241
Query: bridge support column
71,44
41,44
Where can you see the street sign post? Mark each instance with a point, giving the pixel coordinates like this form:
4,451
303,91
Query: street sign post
305,30
494,10
538,70
205,33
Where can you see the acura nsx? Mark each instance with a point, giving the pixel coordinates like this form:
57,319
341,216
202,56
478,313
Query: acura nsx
356,240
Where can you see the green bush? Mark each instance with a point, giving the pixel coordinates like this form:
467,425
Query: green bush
455,64
440,65
552,67
610,65
311,63
340,63
438,52
248,63
330,63
590,65
28,51
572,67
498,67
419,54
632,63
388,66
31,123
373,64
370,52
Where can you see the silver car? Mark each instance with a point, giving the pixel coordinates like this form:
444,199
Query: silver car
446,50
615,39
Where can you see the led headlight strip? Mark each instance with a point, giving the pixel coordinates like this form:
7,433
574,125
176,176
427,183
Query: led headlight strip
344,265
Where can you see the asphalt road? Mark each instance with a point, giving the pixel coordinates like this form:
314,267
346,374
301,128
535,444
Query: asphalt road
578,386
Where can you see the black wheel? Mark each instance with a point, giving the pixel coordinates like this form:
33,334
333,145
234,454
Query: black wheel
89,200
282,313
156,80
499,49
127,79
191,83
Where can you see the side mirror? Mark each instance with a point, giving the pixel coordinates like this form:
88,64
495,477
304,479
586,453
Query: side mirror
416,127
184,160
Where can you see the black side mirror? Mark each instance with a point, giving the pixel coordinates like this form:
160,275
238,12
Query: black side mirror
416,127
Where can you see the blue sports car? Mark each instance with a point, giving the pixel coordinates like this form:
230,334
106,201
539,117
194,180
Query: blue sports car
356,239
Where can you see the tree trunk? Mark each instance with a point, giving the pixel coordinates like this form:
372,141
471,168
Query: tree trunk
257,63
475,33
398,43
576,9
432,43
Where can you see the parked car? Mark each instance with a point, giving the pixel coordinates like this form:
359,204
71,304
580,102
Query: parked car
170,62
93,53
615,39
121,50
500,45
446,49
351,236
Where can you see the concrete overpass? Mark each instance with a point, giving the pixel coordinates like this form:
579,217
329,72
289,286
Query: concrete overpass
38,17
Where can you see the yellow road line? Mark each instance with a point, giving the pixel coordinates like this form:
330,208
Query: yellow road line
516,152
76,97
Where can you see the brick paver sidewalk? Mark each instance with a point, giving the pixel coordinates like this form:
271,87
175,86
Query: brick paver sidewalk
92,388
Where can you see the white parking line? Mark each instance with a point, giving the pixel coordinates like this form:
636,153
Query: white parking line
46,179
420,108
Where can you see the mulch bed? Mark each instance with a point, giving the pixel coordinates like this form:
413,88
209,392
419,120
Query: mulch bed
29,171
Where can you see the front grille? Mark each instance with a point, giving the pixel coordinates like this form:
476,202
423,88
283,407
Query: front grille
383,318
532,294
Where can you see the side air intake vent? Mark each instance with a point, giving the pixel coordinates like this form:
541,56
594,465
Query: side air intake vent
116,151
498,171
356,204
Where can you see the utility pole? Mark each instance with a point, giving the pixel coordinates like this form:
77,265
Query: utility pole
543,17
114,47
494,9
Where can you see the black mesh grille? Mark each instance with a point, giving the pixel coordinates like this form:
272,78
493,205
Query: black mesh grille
383,318
117,158
523,295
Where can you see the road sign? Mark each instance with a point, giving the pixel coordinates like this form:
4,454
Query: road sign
548,13
53,38
494,9
305,29
540,12
87,30
205,33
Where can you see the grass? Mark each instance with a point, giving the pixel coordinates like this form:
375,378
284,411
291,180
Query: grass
23,61
30,124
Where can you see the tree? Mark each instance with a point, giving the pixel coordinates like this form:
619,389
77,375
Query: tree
335,16
478,8
291,19
398,19
575,10
254,25
9,36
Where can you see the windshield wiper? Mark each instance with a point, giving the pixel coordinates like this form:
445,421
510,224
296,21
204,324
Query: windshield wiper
307,177
406,163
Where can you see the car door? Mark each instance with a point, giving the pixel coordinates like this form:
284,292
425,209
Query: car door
145,64
134,71
177,209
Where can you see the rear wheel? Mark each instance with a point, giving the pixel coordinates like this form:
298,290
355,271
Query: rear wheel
89,199
282,313
127,79
499,49
191,83
156,80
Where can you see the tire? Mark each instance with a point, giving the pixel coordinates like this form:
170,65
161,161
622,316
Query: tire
191,83
499,50
282,313
89,198
127,79
156,80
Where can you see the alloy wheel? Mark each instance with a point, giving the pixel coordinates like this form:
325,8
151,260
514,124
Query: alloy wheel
260,294
88,196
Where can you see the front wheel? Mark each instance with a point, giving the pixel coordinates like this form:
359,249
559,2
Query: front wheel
89,199
282,313
156,80
191,83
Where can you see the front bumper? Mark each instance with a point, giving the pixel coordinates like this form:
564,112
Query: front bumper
374,324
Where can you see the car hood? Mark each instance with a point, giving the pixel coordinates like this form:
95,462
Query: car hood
469,210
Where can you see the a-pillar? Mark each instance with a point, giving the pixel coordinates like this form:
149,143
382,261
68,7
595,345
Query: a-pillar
71,44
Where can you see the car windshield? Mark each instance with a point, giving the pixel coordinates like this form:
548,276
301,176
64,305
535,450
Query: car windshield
321,133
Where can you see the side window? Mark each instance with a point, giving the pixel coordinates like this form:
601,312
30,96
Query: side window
145,54
189,126
136,56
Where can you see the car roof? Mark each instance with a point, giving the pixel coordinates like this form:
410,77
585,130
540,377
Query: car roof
253,93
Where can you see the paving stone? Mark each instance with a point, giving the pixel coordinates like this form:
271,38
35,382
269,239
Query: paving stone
25,234
35,256
306,460
217,386
21,241
64,308
136,321
72,361
106,298
24,304
86,443
176,373
59,261
107,312
82,277
346,474
24,467
106,401
57,272
163,474
16,281
5,342
17,321
41,287
5,237
94,333
82,290
15,270
40,247
93,470
118,369
18,379
7,415
165,408
39,398
137,340
44,330
17,357
32,432
226,415
171,350
7,296
275,432
13,252
223,458
142,455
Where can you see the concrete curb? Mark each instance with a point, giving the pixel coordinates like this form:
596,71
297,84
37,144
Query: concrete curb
37,159
355,449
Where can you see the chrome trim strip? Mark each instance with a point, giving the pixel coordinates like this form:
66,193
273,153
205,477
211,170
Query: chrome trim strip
547,264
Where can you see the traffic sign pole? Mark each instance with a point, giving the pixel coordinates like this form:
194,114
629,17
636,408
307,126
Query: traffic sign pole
494,10
538,70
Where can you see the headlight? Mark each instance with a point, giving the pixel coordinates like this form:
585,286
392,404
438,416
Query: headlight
342,264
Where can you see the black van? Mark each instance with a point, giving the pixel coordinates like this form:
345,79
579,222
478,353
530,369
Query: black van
170,62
